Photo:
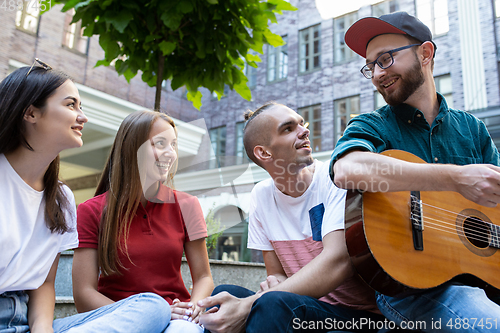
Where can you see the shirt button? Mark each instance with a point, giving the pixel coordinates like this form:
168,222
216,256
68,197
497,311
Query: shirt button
419,115
435,159
409,121
145,216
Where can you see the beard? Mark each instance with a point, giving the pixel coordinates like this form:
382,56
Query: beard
411,80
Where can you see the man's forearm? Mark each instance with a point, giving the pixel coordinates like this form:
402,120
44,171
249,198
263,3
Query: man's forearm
378,173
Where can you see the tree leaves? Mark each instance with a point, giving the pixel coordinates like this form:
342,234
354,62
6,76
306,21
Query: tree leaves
121,20
204,43
167,47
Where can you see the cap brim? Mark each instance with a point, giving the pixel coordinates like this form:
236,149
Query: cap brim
361,32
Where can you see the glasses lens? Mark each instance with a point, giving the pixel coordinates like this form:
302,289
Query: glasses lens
367,71
385,60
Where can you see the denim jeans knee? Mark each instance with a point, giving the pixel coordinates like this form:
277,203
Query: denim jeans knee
14,312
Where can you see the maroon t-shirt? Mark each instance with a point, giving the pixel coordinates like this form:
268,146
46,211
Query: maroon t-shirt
155,243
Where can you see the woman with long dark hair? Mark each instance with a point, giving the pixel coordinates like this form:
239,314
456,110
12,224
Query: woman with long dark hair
41,115
134,231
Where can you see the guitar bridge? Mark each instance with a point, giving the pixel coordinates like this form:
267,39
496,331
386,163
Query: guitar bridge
417,225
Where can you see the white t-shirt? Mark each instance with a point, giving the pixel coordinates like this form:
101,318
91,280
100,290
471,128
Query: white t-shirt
27,247
275,216
294,229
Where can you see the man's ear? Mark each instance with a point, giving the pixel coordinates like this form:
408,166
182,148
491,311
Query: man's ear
427,52
262,154
31,114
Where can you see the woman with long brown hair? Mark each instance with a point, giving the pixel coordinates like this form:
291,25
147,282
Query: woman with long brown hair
134,231
41,115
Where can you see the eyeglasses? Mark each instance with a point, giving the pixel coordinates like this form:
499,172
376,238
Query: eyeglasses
39,62
385,60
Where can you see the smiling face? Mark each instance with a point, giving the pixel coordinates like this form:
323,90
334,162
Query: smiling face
57,125
289,140
401,80
157,155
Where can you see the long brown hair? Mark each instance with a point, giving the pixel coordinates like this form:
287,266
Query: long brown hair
18,91
121,180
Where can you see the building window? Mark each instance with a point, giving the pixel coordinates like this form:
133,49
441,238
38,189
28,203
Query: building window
277,61
341,51
226,91
232,244
310,49
434,14
345,109
27,16
444,87
497,8
251,73
378,100
73,37
241,154
312,115
385,7
218,140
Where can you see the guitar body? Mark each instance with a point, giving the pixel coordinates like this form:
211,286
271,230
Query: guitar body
456,239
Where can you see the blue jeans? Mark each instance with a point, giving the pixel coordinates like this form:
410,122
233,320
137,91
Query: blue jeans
14,312
146,312
452,307
279,311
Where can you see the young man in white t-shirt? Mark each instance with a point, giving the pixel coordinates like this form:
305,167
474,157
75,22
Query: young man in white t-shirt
297,220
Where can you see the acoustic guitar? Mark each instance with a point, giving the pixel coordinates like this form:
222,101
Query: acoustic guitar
403,242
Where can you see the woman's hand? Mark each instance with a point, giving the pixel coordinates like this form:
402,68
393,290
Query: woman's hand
186,311
197,311
182,310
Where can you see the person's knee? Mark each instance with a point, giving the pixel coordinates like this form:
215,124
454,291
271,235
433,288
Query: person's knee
230,288
273,298
179,325
234,290
153,303
221,288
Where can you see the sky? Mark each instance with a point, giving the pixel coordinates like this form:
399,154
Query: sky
332,8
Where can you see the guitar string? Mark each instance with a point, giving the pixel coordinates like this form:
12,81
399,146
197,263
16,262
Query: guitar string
454,214
449,232
473,234
478,224
453,231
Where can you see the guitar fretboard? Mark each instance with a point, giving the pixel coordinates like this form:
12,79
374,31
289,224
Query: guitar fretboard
495,236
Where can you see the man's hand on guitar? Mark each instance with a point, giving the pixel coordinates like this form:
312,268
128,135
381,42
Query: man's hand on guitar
479,183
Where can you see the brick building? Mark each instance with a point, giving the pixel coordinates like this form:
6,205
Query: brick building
314,73
106,97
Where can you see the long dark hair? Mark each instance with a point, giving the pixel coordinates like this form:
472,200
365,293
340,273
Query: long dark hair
121,178
17,93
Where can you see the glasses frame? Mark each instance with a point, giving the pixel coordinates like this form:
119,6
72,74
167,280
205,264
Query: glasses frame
365,69
41,63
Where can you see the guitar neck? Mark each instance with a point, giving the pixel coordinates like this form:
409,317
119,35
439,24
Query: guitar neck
495,236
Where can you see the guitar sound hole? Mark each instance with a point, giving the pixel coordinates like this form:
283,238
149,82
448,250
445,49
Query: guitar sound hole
477,232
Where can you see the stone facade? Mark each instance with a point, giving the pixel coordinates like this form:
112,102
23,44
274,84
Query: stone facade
335,80
339,80
46,44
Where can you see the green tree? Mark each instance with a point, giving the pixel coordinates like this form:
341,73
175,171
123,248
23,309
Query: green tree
194,43
214,230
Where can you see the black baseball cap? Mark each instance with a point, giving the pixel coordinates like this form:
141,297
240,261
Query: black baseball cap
364,30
